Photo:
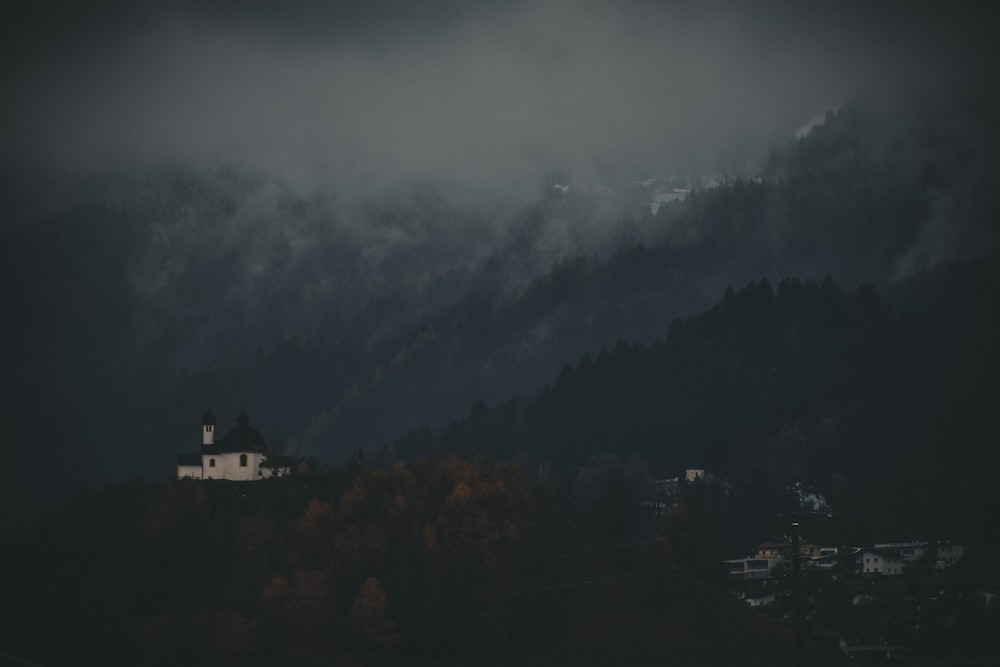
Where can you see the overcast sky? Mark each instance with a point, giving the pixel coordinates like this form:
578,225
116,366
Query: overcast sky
460,91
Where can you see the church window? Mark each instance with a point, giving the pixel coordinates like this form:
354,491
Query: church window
211,463
243,460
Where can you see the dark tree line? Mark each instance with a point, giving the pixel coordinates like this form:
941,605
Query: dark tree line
864,401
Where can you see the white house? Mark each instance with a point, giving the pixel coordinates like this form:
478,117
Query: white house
910,552
949,554
752,568
871,561
240,455
760,600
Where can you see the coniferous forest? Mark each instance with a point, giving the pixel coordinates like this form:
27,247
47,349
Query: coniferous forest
516,534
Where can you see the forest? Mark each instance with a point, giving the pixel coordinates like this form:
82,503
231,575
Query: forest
841,391
432,561
516,534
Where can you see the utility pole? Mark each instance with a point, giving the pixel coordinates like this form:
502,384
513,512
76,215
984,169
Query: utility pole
797,594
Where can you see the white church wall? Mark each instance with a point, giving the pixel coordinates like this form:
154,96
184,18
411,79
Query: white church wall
227,466
212,465
230,466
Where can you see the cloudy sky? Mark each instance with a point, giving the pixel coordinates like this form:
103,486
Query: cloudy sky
462,91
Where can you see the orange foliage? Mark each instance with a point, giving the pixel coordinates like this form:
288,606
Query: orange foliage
316,515
432,548
351,501
460,493
369,622
304,596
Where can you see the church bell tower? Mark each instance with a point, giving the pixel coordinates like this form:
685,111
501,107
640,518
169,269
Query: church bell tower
208,429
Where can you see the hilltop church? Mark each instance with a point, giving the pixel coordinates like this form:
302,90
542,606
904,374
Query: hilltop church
241,455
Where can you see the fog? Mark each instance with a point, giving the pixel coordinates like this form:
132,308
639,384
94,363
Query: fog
454,94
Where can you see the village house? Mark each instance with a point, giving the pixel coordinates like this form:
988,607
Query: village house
878,561
783,549
752,568
949,554
911,552
941,555
773,549
827,559
694,474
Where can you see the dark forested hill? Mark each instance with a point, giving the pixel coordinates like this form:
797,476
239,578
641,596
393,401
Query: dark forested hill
802,382
858,198
135,301
443,562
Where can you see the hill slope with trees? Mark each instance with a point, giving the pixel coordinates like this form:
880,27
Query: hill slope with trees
871,404
339,327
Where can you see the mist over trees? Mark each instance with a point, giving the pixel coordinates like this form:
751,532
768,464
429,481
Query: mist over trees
169,290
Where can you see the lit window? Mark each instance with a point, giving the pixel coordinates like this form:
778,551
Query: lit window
211,463
243,460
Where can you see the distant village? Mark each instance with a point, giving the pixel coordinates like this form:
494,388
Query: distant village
872,601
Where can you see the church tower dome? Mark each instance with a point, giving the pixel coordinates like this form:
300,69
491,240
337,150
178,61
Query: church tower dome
243,437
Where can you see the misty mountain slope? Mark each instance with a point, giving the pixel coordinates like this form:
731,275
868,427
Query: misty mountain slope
866,195
341,323
853,198
803,383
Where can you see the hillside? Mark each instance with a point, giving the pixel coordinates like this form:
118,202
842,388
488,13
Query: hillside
426,563
168,292
805,382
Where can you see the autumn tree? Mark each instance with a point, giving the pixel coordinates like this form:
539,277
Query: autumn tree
370,624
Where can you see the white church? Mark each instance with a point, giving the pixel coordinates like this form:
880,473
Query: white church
241,455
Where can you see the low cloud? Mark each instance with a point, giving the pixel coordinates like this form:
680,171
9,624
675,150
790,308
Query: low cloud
491,99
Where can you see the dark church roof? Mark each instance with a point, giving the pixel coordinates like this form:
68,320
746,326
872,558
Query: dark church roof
209,418
241,438
189,460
